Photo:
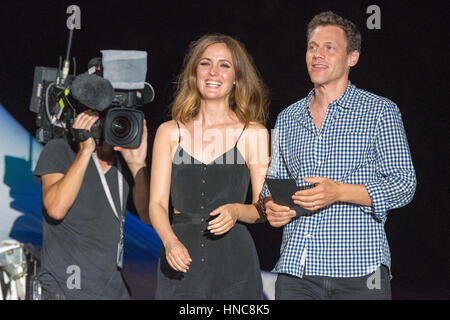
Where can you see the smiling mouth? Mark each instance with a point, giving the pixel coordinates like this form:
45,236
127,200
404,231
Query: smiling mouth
213,84
319,66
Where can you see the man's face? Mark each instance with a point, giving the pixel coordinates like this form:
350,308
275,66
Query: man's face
326,56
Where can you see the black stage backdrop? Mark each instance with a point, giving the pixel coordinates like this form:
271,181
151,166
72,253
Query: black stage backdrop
406,61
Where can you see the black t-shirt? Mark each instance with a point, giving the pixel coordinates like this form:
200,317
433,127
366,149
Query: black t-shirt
86,239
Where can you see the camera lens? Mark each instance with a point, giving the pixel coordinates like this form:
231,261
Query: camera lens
123,127
120,127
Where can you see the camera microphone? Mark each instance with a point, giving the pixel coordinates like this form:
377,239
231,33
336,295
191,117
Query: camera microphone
95,66
93,91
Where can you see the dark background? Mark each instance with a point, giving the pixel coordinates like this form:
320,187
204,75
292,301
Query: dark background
406,61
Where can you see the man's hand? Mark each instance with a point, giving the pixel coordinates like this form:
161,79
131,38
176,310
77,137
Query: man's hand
135,158
325,193
277,215
85,120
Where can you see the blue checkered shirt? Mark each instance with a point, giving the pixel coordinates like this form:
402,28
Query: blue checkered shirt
361,141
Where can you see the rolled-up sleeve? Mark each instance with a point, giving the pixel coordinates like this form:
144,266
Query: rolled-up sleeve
277,168
395,181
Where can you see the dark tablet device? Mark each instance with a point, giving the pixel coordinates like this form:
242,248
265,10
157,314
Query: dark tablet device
282,190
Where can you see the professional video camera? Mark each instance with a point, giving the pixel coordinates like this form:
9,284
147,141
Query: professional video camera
114,85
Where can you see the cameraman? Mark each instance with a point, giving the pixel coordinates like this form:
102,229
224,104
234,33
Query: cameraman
82,232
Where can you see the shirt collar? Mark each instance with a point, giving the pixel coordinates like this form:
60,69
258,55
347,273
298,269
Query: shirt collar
348,97
345,100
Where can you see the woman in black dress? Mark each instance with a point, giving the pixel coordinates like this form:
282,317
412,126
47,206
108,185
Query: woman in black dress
204,160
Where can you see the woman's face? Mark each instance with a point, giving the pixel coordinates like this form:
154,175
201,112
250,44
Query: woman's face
215,72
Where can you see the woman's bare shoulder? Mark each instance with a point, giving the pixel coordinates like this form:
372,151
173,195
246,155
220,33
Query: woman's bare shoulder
256,126
256,129
168,125
167,132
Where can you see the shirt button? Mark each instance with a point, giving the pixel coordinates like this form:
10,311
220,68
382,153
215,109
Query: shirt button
203,194
202,219
319,162
203,181
202,207
202,245
308,235
204,168
202,260
320,137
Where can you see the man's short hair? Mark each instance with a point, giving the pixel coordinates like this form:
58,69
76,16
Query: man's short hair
329,18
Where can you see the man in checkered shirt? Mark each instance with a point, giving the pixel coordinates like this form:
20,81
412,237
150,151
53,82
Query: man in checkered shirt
350,146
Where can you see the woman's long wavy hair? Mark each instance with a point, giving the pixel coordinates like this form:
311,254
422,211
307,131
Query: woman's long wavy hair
248,98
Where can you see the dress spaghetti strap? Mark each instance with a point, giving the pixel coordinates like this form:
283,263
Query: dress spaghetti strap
179,133
240,136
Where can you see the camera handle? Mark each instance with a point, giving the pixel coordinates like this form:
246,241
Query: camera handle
80,135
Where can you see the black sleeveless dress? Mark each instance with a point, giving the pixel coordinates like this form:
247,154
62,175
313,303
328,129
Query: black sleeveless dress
224,266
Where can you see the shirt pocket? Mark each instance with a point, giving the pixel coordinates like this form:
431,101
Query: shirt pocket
349,152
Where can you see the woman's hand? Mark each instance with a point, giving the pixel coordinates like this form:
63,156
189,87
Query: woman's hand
177,255
227,216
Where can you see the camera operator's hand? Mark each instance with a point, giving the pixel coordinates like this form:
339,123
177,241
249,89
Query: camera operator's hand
135,158
85,120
